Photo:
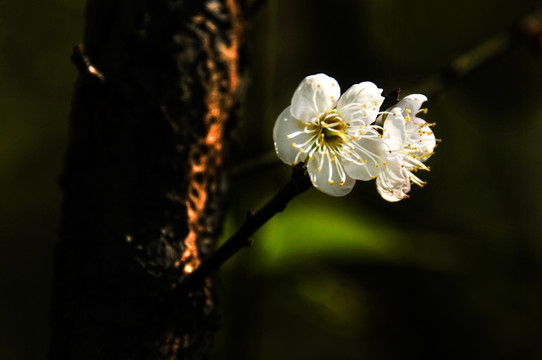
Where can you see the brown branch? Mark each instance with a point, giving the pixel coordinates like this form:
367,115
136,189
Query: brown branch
299,183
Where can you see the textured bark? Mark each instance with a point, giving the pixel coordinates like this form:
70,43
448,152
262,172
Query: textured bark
143,179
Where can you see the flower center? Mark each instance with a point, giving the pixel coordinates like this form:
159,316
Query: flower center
332,129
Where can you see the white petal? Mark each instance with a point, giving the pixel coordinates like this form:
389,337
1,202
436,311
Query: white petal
319,167
361,102
394,130
421,139
363,93
285,144
314,95
369,157
412,103
393,182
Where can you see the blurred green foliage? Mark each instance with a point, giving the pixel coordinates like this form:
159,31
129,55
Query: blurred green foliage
453,272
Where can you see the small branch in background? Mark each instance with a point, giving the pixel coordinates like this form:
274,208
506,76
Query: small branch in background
528,31
299,183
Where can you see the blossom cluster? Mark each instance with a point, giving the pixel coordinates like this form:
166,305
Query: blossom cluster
348,137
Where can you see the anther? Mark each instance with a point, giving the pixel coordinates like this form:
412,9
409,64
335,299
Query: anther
331,182
407,111
293,144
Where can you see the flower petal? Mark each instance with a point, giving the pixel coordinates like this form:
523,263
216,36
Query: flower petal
412,103
422,141
395,133
288,132
314,95
328,176
360,102
393,183
367,159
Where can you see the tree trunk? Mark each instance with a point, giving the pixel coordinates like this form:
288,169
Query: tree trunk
143,180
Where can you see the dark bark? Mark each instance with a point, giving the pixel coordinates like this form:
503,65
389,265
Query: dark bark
143,180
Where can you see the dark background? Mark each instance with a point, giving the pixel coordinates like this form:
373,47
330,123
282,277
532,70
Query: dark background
451,273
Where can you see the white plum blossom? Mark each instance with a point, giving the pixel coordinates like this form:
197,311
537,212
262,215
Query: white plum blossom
410,141
335,132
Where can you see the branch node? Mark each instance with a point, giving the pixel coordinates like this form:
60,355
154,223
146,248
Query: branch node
84,65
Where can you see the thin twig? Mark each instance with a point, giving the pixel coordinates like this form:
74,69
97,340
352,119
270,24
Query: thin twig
527,31
298,184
